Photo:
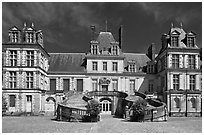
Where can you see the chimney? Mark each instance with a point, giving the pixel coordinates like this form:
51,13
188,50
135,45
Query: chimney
121,36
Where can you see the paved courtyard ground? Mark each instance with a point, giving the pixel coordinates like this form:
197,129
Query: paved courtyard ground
108,124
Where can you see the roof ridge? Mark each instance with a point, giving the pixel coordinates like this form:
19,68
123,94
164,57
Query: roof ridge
68,53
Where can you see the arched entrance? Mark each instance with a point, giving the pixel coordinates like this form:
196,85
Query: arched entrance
106,106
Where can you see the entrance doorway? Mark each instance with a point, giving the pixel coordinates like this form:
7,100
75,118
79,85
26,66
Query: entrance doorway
28,103
106,107
104,87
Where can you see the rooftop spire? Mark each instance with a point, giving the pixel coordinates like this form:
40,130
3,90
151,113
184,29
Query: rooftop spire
32,25
181,25
172,25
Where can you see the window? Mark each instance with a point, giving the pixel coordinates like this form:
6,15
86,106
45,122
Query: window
94,49
190,42
175,61
12,80
52,85
178,102
132,86
29,98
115,85
94,85
95,66
14,38
192,82
115,50
115,66
29,58
174,41
42,61
29,80
30,38
132,67
151,85
191,61
13,57
176,82
12,100
104,66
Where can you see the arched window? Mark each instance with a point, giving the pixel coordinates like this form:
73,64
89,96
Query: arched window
194,102
178,102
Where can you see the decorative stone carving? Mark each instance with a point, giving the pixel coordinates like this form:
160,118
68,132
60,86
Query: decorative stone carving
104,81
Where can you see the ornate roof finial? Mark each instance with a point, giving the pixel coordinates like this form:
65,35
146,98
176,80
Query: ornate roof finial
32,25
106,26
181,25
172,25
24,24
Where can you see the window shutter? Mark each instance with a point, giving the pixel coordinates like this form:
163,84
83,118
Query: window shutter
181,81
187,61
171,81
35,58
170,60
23,58
196,61
187,83
180,61
197,82
18,58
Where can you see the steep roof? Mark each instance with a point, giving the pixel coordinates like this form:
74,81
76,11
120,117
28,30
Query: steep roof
75,62
105,39
66,62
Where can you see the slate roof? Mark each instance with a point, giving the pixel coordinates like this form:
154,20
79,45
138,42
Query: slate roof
75,62
105,39
66,62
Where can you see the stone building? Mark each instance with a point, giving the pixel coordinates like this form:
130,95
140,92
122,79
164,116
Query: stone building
31,75
177,72
25,66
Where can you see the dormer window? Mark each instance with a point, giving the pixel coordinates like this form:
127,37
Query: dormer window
190,41
30,37
114,50
174,41
94,49
14,37
132,67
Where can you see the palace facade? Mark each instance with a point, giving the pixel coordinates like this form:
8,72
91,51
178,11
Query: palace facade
31,75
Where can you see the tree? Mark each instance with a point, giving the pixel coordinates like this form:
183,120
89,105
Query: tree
138,109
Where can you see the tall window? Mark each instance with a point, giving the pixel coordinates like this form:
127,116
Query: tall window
132,67
192,82
13,57
30,38
12,80
175,61
29,58
12,100
94,49
191,61
115,66
104,66
95,66
151,85
174,41
29,80
115,85
176,82
190,42
115,50
14,38
94,85
132,86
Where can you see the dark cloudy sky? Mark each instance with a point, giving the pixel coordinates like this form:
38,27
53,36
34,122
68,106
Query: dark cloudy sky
66,26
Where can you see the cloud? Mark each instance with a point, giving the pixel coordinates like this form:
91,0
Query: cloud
178,12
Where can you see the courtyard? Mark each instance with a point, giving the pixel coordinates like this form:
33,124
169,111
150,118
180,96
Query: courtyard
108,124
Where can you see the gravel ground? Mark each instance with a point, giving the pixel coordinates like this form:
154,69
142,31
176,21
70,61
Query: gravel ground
108,124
